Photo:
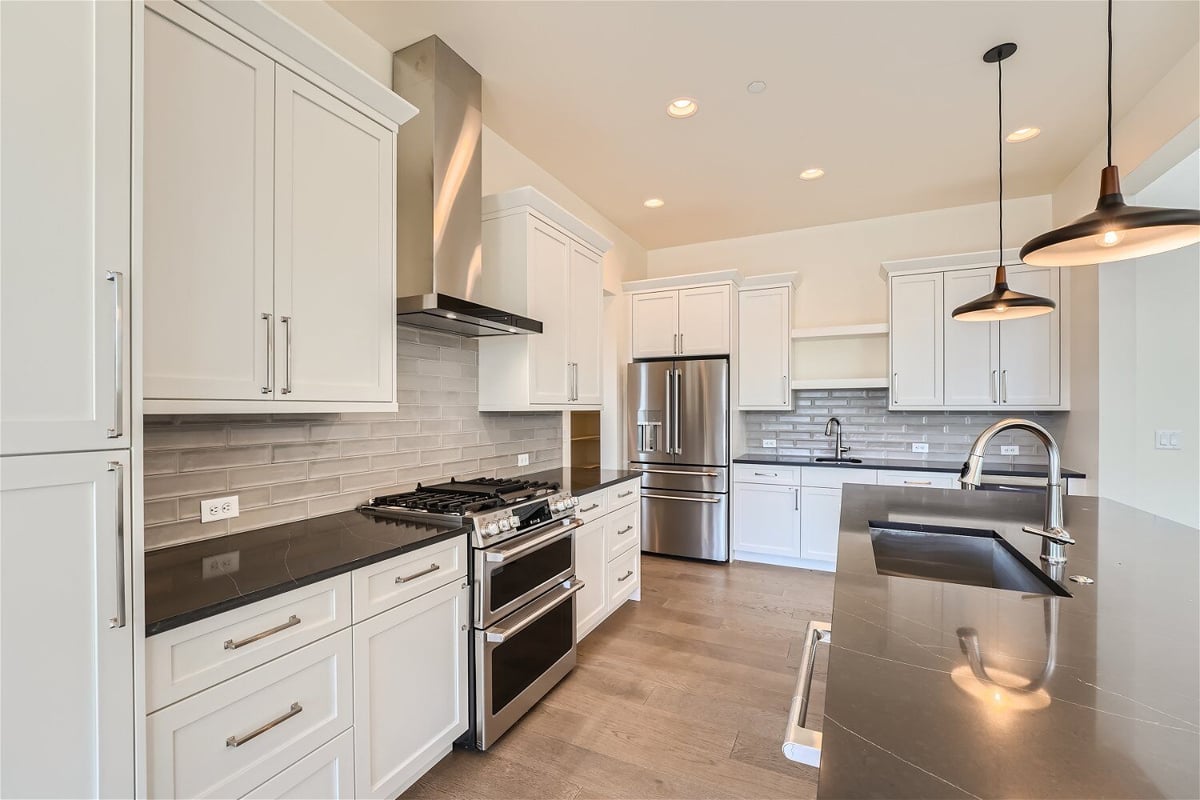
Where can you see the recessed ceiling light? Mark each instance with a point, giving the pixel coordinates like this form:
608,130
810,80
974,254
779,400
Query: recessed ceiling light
811,174
654,202
756,87
682,107
1023,134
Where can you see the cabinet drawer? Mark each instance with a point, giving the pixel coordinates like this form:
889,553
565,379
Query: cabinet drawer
624,576
836,477
621,495
593,505
186,660
327,772
761,473
622,531
934,480
231,738
389,583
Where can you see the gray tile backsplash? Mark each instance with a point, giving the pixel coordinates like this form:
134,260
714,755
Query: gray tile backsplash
874,432
291,467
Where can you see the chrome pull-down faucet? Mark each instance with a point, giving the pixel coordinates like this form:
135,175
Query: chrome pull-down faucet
834,427
1054,536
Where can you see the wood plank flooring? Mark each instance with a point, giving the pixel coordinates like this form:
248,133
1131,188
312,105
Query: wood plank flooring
681,695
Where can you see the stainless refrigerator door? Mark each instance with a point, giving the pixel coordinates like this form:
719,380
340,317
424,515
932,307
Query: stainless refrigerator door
701,414
648,410
693,524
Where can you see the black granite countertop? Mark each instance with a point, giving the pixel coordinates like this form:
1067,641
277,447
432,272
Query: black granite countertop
1117,715
1018,471
272,561
581,481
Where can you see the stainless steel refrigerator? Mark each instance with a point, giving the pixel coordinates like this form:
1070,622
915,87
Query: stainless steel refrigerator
678,424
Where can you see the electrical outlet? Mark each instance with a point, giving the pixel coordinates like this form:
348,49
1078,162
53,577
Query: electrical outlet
217,508
920,447
769,443
1010,450
221,564
522,459
1168,440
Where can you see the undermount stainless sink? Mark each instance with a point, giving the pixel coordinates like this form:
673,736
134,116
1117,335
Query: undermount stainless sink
969,556
832,460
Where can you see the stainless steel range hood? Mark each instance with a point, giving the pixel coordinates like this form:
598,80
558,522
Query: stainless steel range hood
439,187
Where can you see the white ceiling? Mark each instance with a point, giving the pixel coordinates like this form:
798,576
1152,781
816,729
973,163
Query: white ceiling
892,99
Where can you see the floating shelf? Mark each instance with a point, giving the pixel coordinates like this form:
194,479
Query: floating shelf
841,331
841,383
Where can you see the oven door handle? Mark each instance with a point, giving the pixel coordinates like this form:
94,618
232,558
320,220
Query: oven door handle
537,610
499,555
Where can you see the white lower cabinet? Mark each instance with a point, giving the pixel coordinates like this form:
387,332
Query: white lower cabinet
590,565
820,520
326,773
410,689
608,553
767,519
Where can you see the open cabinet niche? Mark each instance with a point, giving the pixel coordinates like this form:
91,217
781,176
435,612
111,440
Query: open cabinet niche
585,439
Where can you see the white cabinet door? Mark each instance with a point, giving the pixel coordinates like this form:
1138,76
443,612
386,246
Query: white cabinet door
767,519
916,341
972,376
410,689
655,324
549,301
65,76
334,221
591,558
326,773
66,723
765,349
820,519
586,289
1029,348
704,316
208,196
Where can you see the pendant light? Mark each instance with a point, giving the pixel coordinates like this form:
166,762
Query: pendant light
1002,302
1114,231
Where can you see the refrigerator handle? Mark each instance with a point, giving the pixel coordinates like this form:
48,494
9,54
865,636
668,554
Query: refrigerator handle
669,411
675,415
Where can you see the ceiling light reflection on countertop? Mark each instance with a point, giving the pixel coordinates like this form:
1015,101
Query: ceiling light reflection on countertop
1023,135
654,202
682,107
811,174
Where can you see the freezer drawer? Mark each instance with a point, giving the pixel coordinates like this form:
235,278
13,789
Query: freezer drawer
683,478
692,524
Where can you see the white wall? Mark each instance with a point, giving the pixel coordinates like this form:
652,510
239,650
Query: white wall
1149,367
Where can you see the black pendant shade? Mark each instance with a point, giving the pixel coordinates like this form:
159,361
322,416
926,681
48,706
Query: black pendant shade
1114,231
1002,302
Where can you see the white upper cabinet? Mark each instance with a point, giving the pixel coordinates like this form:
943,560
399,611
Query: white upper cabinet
1030,352
334,276
972,370
916,341
765,348
692,321
655,324
65,78
269,229
541,262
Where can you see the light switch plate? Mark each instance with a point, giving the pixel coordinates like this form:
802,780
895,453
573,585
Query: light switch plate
769,443
1010,450
1168,440
920,447
218,508
221,564
522,459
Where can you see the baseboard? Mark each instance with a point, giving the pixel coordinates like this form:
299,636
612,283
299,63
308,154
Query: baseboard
785,561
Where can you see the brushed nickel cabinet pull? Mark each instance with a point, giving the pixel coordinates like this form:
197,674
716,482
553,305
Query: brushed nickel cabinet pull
287,363
118,427
994,389
624,530
625,494
795,499
625,576
270,385
117,469
293,621
238,741
917,483
592,507
1003,386
421,574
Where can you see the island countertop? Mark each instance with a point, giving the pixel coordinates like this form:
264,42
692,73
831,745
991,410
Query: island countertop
1117,715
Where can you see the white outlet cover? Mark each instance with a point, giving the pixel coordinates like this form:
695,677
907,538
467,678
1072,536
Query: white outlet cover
522,459
769,443
218,508
920,447
1010,450
1168,440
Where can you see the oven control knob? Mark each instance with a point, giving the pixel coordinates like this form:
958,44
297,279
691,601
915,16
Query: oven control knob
561,505
491,529
514,522
505,524
574,501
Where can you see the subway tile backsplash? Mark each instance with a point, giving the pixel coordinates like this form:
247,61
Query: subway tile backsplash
291,467
874,432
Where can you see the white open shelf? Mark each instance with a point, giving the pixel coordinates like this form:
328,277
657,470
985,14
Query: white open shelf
841,383
841,331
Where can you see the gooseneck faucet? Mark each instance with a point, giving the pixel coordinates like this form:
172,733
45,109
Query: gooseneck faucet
1054,536
834,427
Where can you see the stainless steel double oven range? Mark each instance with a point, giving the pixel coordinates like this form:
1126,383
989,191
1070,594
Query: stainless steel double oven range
522,574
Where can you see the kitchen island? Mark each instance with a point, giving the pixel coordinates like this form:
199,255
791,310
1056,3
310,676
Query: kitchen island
1088,695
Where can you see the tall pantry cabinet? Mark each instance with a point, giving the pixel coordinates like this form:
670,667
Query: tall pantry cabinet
68,478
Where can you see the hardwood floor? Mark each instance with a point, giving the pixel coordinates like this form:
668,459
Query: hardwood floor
681,695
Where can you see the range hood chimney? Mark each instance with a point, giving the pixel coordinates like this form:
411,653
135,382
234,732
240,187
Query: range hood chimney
439,184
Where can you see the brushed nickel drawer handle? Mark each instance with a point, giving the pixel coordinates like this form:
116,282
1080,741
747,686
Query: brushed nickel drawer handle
287,362
917,483
626,575
292,622
592,507
118,427
238,741
421,574
767,474
117,469
270,386
624,531
625,494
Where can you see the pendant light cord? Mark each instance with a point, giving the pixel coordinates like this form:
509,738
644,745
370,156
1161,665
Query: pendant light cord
1110,79
1000,148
